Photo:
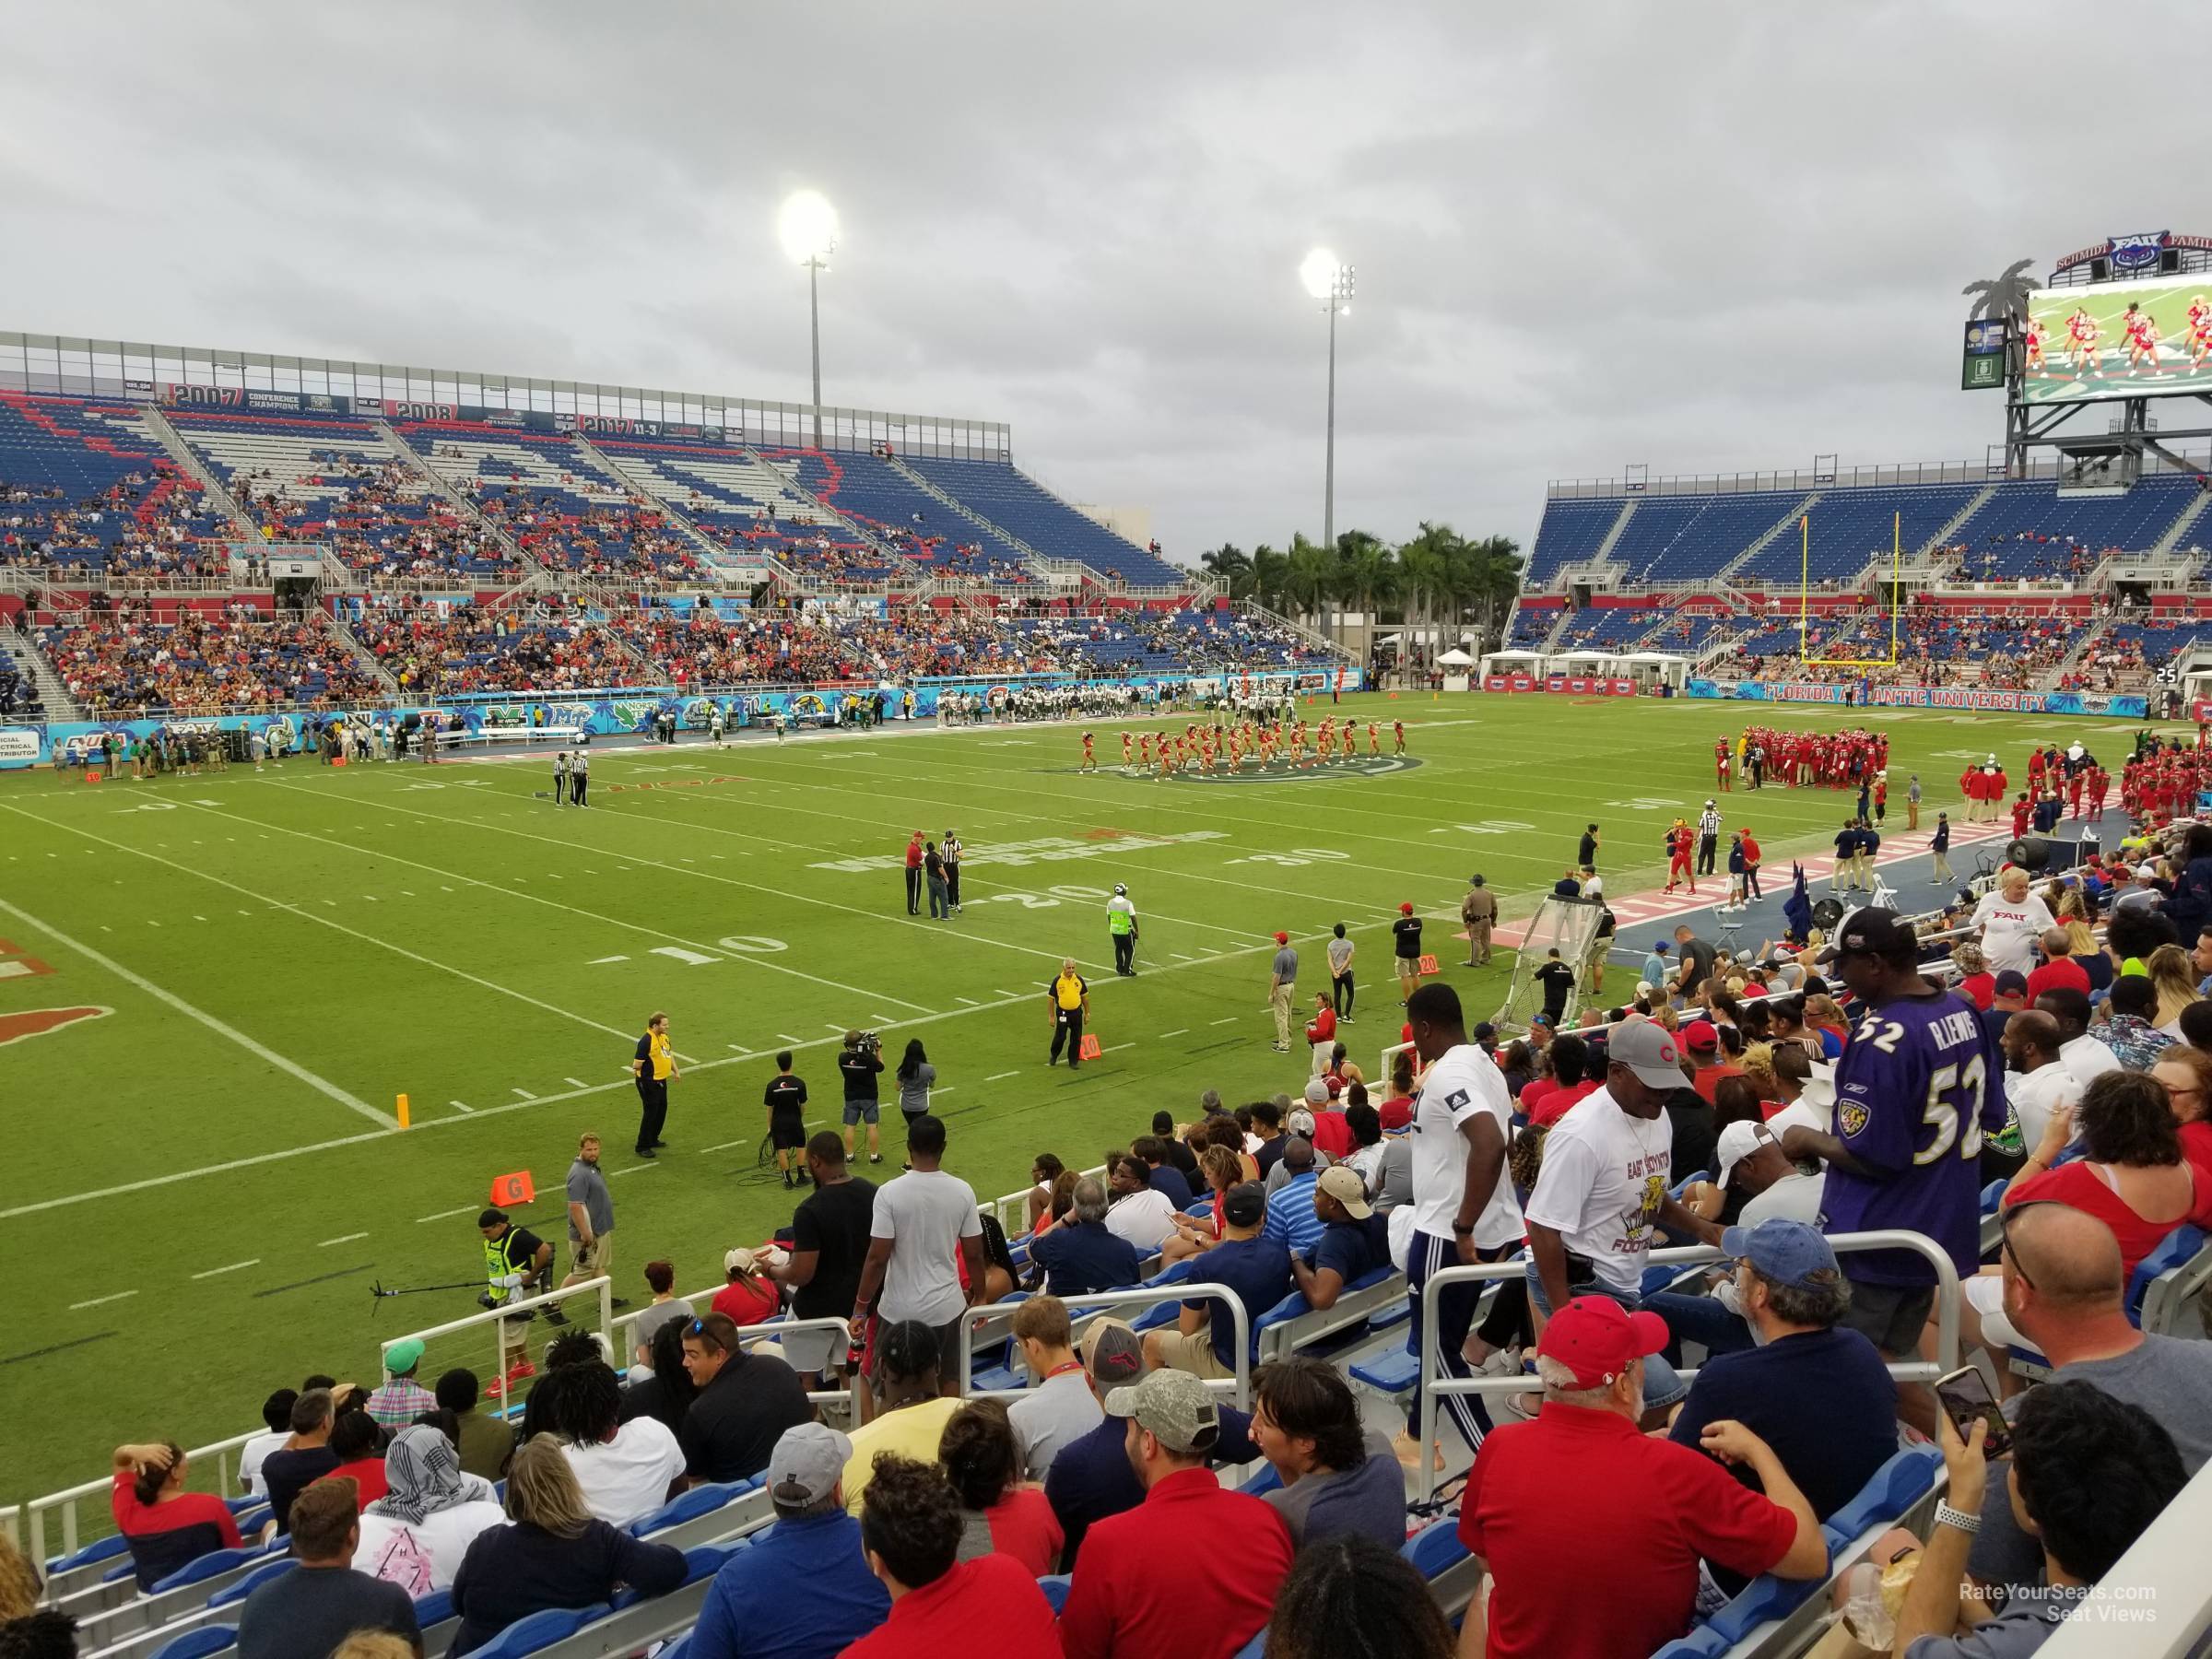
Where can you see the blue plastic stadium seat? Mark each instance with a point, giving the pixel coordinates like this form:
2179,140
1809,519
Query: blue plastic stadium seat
1761,1601
1266,1480
214,1564
434,1609
107,1550
1895,1488
697,1501
1391,1373
1994,1194
1435,1548
1055,1590
2178,1248
253,1581
542,1630
1397,1313
197,1644
1704,1643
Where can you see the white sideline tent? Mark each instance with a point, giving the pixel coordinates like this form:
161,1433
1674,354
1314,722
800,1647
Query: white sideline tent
1455,664
1652,669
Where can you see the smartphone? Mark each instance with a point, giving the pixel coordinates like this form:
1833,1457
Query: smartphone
1966,1399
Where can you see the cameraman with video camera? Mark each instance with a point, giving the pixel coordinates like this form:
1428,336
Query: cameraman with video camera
860,1063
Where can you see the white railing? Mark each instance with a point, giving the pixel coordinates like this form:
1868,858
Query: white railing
1434,1385
509,1312
1237,1387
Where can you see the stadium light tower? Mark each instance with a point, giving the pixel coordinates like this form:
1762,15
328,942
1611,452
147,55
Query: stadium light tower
807,229
1329,281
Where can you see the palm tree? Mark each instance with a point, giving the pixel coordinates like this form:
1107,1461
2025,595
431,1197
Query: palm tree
1367,570
1230,566
1425,568
1268,570
1308,576
2002,296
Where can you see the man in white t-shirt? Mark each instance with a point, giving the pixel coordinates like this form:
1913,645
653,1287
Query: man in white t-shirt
924,1222
2038,1084
626,1470
1601,1195
2012,919
1139,1212
1464,1206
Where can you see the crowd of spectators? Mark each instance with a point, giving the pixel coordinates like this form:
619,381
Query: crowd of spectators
699,647
385,522
542,642
151,523
144,657
626,543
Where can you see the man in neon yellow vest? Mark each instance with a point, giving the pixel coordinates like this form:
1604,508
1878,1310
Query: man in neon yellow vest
1121,922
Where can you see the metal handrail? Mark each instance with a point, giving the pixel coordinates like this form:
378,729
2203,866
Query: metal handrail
1432,1385
1239,1387
506,1311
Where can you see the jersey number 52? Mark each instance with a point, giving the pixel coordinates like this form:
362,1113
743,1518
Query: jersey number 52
1954,1097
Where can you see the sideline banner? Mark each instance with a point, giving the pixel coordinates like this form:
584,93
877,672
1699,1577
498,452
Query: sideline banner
624,712
2096,705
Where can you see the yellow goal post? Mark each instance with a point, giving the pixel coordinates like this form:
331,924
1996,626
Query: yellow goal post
1805,596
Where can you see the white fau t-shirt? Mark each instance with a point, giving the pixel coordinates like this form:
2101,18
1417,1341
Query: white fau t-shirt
1464,1080
628,1477
2009,931
1604,1176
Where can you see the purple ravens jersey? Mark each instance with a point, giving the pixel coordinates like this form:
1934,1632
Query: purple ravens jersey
1921,1082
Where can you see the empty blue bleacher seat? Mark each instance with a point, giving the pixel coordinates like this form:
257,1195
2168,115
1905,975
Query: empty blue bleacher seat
214,1564
253,1581
2177,1249
1894,1488
433,1608
107,1550
1391,1373
197,1644
541,1629
1435,1548
697,1501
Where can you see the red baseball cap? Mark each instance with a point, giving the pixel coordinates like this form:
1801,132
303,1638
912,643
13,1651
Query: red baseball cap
1282,938
1404,909
1699,1037
1596,1337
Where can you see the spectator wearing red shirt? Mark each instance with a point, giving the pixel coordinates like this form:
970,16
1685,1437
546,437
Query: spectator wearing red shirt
1548,1099
914,874
166,1527
2059,967
1329,1132
1321,1032
1702,1039
750,1296
1396,1112
359,1445
1122,1600
909,1529
999,1515
1649,1509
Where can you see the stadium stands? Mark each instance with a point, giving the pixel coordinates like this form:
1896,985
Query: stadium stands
559,507
1015,503
1851,527
152,659
1673,545
2029,530
85,489
331,478
1571,531
871,492
452,649
698,648
747,505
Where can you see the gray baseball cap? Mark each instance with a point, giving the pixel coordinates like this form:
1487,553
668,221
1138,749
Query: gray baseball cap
1112,1351
1647,1048
808,1462
1173,1406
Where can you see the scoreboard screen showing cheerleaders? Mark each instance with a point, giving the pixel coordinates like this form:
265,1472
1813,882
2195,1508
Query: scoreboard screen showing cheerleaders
2119,339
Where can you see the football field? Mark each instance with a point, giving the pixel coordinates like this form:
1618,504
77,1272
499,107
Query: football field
214,989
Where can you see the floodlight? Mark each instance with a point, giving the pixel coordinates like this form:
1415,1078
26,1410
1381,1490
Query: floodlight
807,228
1319,273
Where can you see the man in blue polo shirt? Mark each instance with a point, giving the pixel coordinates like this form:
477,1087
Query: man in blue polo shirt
1815,1390
750,1612
1080,1255
1354,1241
1256,1268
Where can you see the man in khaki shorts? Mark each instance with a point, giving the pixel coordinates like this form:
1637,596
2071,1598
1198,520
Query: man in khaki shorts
1479,909
590,1218
1257,1269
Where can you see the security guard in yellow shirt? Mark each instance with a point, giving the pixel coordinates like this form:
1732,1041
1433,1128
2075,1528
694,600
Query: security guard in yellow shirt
654,1068
1070,1001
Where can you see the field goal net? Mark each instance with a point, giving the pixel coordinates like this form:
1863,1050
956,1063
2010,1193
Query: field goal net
1567,926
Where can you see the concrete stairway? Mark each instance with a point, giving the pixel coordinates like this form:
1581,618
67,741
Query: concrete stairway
193,467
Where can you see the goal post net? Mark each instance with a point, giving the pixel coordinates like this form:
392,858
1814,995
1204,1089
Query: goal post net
1889,594
1567,926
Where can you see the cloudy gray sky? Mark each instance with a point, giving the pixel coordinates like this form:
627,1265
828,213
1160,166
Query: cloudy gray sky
1702,237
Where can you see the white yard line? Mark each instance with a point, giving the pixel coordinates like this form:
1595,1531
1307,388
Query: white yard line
526,1094
720,1147
444,1214
234,1267
458,1106
341,1239
580,1083
260,1050
633,1169
1229,1019
100,1301
1111,1047
1181,1031
307,915
1001,1076
472,823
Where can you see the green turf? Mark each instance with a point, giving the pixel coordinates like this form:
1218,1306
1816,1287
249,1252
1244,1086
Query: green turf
392,929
